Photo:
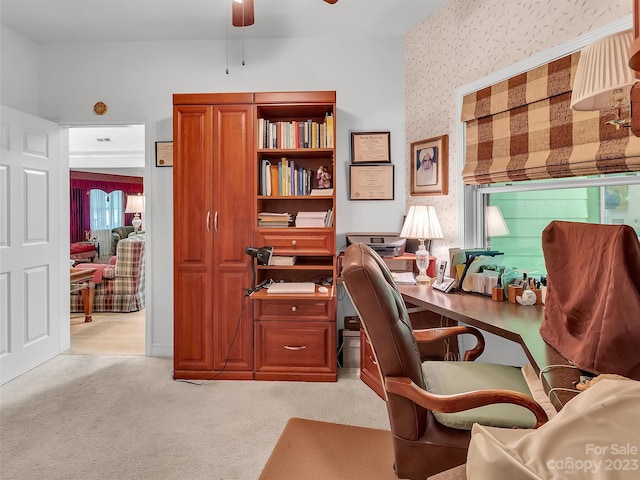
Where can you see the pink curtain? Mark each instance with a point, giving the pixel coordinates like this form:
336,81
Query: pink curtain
81,183
79,219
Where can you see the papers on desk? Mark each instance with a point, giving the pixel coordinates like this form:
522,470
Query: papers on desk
404,278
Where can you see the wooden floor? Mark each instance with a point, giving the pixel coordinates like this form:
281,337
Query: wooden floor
108,334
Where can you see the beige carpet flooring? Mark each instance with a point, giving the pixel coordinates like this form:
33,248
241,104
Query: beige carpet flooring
103,417
108,334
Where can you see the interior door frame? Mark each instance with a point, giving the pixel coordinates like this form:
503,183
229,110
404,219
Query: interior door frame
148,163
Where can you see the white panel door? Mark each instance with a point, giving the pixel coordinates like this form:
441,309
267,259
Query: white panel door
30,272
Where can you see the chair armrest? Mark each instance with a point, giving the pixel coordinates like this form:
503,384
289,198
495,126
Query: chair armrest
109,271
429,335
404,387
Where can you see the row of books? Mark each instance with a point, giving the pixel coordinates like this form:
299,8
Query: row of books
285,178
296,134
303,219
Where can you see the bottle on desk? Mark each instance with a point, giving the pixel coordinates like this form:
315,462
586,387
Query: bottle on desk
497,292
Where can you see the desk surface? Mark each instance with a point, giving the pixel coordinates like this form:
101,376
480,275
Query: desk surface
508,320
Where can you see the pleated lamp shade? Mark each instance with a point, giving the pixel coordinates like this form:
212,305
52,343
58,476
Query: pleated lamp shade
422,223
603,78
496,226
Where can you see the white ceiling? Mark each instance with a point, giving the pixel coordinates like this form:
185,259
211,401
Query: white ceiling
45,21
53,21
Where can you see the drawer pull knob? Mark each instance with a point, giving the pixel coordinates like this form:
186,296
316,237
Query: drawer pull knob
294,243
294,309
301,347
372,360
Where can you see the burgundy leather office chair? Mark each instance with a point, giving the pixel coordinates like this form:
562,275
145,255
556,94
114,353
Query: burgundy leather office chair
432,404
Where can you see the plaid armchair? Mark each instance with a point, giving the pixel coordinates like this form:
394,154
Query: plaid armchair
121,288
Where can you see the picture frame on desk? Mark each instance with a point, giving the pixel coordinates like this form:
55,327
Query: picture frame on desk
370,147
164,154
430,166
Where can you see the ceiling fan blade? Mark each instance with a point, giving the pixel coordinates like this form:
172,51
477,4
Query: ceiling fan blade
331,1
242,13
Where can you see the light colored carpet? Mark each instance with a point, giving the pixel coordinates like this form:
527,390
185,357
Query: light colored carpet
313,450
115,417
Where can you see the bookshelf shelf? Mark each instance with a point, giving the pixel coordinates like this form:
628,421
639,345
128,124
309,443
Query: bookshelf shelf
284,180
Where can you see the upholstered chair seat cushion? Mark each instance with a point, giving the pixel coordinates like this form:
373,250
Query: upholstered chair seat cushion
447,378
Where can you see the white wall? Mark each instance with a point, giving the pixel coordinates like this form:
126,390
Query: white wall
18,72
137,80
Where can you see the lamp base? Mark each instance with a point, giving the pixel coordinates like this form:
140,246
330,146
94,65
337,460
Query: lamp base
423,278
136,222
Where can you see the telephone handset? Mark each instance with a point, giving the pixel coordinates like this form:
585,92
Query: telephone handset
442,283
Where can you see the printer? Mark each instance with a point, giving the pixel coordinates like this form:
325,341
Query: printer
384,244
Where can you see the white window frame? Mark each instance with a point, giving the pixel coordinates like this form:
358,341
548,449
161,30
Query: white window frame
470,201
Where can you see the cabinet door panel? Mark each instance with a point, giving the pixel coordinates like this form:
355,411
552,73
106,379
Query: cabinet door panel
193,254
232,223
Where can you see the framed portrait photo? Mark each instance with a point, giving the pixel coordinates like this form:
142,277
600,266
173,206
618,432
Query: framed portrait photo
164,154
430,166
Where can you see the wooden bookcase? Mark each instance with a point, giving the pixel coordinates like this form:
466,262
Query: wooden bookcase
295,335
219,152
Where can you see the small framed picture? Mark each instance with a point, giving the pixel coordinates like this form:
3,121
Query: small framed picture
164,154
371,182
430,166
370,147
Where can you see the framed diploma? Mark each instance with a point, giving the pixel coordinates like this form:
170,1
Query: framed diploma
370,147
164,154
371,182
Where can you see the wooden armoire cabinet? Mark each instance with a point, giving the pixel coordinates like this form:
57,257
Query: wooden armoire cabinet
221,147
213,189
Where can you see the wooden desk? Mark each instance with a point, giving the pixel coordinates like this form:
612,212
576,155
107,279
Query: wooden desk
82,279
514,322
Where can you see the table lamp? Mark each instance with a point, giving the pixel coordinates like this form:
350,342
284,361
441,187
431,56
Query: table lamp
135,205
496,226
422,223
603,78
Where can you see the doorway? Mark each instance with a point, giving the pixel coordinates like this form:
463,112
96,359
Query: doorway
110,155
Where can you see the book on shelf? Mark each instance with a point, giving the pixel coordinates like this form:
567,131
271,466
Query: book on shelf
281,260
314,219
321,192
274,220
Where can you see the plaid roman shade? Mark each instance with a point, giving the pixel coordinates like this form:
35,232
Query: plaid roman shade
523,129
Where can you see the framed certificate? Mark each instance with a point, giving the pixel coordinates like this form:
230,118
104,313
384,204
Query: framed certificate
370,147
164,154
371,182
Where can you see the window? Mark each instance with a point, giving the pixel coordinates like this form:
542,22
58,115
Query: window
106,209
528,207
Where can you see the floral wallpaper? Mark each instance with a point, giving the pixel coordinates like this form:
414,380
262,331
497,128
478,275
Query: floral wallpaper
467,40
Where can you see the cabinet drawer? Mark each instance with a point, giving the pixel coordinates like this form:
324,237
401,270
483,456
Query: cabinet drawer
298,241
295,309
295,346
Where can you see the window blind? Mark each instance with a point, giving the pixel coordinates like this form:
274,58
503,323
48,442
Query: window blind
523,129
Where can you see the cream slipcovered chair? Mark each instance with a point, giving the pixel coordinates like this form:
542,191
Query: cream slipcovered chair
431,405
